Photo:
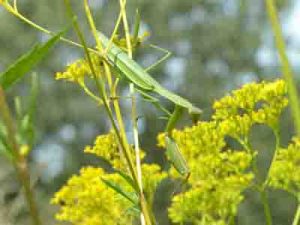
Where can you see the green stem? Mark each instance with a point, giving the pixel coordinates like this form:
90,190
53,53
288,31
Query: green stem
285,65
100,86
136,144
20,161
44,30
267,211
277,146
245,143
260,187
297,216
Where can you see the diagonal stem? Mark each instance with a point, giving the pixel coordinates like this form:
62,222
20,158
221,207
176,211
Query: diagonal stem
20,161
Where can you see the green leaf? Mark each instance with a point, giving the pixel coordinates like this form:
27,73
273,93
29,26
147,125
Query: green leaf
129,196
134,210
128,179
31,110
26,62
4,148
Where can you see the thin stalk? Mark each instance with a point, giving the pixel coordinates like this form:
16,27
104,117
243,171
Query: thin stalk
296,220
126,27
42,29
97,40
9,124
107,72
245,143
20,161
148,217
285,65
277,146
260,187
267,211
136,143
101,89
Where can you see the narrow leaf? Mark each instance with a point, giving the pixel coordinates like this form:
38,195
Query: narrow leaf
120,191
128,179
26,62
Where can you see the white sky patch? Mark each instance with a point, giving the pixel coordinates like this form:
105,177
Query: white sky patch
231,7
67,133
198,15
245,77
180,22
217,66
183,47
267,54
96,4
291,27
52,155
175,69
87,130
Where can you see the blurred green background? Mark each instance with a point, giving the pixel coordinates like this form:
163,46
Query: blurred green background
217,46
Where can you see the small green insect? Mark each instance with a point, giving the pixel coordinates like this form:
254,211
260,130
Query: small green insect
142,80
139,77
175,157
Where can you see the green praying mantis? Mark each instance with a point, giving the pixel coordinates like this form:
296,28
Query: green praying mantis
135,74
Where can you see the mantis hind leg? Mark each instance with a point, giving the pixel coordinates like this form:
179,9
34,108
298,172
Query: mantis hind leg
161,60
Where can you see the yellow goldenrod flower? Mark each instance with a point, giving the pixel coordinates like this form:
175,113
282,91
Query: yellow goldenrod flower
87,200
218,175
152,176
285,171
24,150
106,146
135,43
253,103
77,71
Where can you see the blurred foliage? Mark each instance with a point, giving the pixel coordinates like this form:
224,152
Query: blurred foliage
214,46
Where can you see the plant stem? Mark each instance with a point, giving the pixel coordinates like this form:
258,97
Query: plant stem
147,216
20,161
42,29
297,216
100,86
261,187
126,27
107,72
285,65
25,179
266,206
277,146
136,143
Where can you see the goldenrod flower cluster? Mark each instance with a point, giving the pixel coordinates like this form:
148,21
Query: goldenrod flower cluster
285,171
152,176
85,199
135,42
78,70
254,103
106,146
219,175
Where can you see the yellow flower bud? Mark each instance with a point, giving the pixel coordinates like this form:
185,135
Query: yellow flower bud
24,150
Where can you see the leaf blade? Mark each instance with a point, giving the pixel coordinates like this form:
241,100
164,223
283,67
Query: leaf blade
26,62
